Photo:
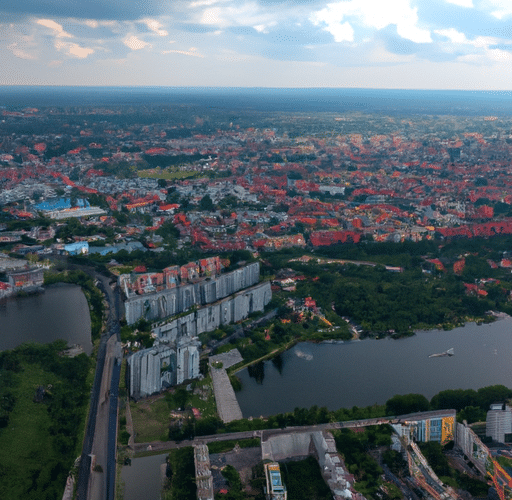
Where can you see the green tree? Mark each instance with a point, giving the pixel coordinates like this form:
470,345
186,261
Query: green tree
206,203
409,403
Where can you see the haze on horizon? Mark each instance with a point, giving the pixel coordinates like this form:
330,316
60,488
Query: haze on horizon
406,44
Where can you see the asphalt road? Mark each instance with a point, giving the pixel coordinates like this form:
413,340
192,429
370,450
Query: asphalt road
101,431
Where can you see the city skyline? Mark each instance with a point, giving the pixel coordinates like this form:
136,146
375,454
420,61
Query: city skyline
415,44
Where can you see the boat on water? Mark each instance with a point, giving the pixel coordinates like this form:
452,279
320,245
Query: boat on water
449,352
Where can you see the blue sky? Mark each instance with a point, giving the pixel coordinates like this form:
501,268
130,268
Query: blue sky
420,44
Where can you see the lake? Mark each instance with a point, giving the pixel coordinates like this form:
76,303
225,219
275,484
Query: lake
366,372
61,312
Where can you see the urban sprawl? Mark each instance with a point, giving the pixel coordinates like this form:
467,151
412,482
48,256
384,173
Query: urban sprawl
107,183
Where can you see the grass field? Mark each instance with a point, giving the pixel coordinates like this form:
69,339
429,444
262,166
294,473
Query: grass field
167,174
25,442
41,439
152,416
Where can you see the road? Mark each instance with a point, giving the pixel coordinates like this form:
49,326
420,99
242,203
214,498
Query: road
101,433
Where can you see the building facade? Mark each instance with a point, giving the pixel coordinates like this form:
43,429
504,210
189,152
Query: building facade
167,363
498,424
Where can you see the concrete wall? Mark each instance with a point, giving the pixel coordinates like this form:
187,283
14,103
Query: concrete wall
286,446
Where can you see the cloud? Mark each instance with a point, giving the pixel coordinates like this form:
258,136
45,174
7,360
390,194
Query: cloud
83,9
134,43
247,14
19,52
155,26
337,17
70,48
57,29
73,49
462,3
190,52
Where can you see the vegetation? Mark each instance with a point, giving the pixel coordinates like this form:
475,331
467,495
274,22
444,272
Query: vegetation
433,452
180,483
44,400
224,446
421,296
354,448
304,481
235,484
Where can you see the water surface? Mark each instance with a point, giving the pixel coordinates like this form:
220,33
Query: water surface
143,479
372,371
61,312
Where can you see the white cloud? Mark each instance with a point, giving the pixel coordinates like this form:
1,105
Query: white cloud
263,28
134,43
73,49
91,23
499,55
458,38
69,48
214,16
155,26
341,32
372,13
57,29
453,35
190,52
462,3
19,52
499,8
202,3
245,14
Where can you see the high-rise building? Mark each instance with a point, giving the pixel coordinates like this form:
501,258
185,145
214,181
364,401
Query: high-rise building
498,424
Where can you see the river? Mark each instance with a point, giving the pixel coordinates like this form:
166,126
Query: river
61,312
366,372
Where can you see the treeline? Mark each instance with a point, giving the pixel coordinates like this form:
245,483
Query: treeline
93,295
471,405
44,398
164,161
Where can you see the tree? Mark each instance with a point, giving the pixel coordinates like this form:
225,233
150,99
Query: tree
181,397
206,203
410,403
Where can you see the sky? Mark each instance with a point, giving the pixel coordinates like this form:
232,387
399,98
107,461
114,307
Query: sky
394,44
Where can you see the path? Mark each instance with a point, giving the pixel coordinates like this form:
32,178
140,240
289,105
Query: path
227,404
